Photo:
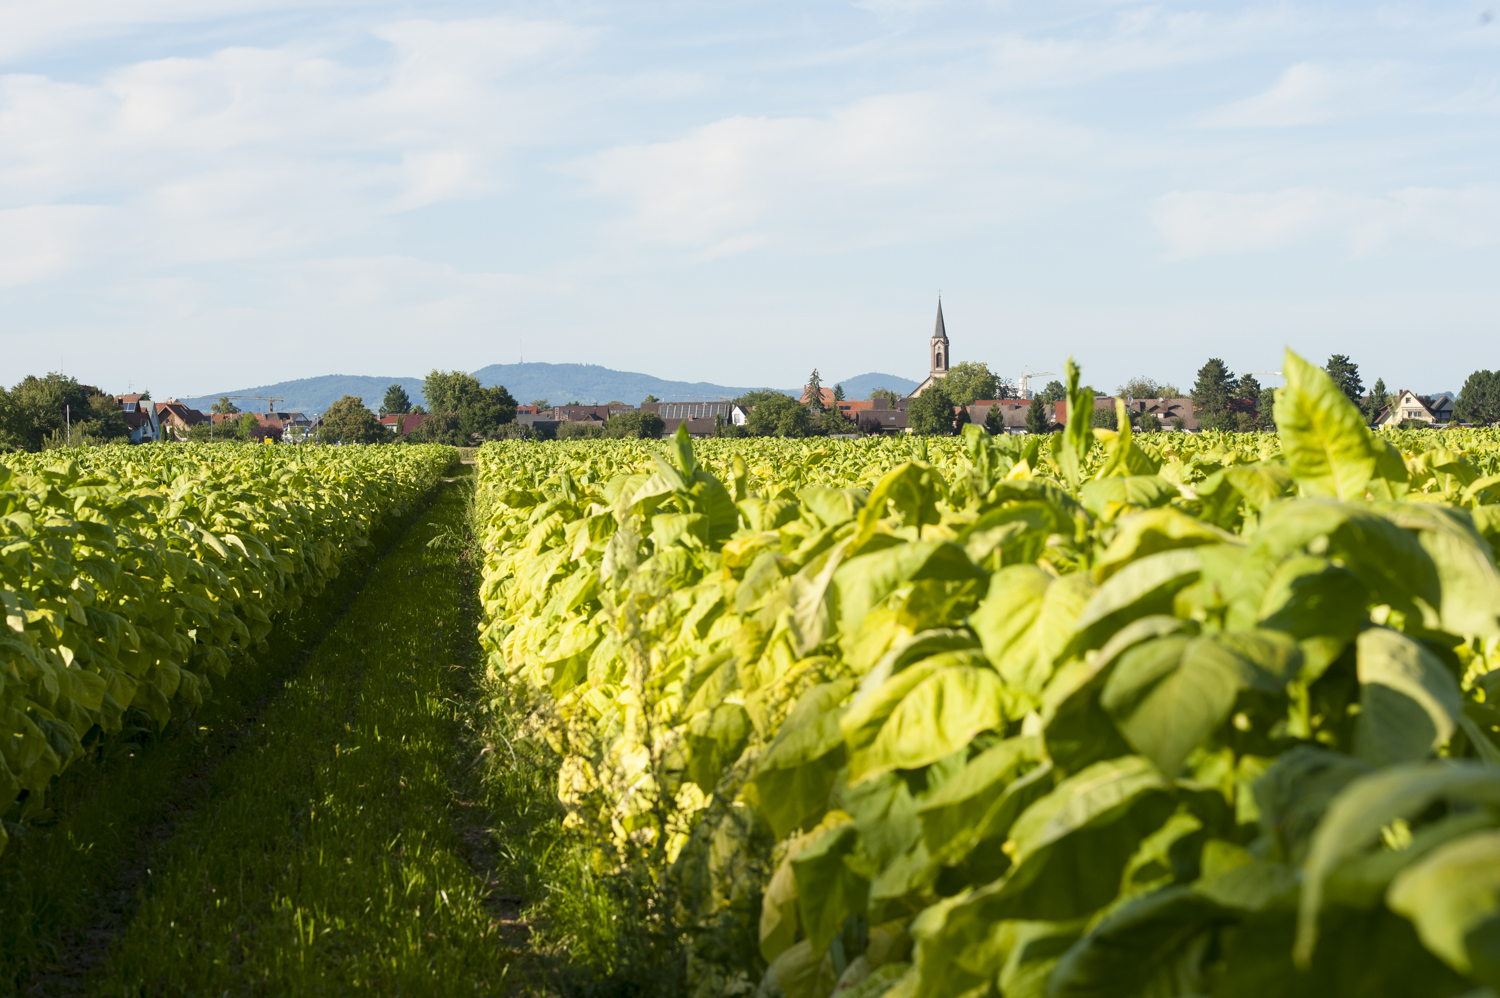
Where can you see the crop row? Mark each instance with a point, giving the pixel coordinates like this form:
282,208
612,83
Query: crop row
130,577
1087,714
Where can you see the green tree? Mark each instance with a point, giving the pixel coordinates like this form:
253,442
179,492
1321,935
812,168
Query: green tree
1479,400
1345,375
480,411
418,410
442,428
994,421
931,413
224,406
1377,399
648,398
36,408
1265,410
1247,388
244,427
834,422
1105,418
812,395
838,393
637,424
1037,420
1054,392
1211,395
396,400
541,404
105,420
347,421
1142,387
885,393
971,381
779,416
760,395
1150,422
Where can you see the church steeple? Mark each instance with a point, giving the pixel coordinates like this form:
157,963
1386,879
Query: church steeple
939,345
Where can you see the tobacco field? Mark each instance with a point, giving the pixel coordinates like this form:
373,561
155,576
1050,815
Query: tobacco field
1088,714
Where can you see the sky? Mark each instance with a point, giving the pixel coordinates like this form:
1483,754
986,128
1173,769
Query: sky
198,196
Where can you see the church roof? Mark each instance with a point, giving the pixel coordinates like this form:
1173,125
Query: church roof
938,331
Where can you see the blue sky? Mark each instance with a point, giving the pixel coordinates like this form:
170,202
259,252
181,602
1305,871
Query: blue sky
199,195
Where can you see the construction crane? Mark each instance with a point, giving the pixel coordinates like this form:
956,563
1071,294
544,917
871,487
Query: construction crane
1023,382
267,399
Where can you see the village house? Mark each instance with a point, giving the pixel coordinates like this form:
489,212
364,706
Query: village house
1406,404
140,416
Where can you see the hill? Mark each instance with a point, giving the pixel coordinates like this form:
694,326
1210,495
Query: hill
558,383
316,394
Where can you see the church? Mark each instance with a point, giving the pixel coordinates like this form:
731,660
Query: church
937,352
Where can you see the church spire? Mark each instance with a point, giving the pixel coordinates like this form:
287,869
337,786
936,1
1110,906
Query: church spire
938,349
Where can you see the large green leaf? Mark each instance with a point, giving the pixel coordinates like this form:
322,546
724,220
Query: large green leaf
828,891
1468,582
1072,846
1142,588
1453,898
1152,531
1355,818
940,715
1328,447
833,506
1118,491
864,581
1169,695
794,775
1409,702
1025,620
715,740
954,815
1146,947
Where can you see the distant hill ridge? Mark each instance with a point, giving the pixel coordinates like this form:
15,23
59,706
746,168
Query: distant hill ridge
557,383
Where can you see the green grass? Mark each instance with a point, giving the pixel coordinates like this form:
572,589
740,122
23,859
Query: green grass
327,856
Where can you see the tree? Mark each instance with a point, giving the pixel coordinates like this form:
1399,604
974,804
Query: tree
961,418
418,410
1106,418
541,404
36,408
224,406
396,400
1150,422
1377,400
637,424
931,413
1247,388
780,416
994,421
442,428
1345,375
480,411
833,422
887,394
812,395
1265,410
838,393
971,381
347,421
758,396
648,398
1054,392
1037,420
1211,395
1479,400
1142,387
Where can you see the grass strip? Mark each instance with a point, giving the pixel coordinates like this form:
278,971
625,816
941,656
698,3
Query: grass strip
325,859
69,879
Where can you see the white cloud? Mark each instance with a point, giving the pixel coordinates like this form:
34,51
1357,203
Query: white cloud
43,241
1209,223
895,168
1309,93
